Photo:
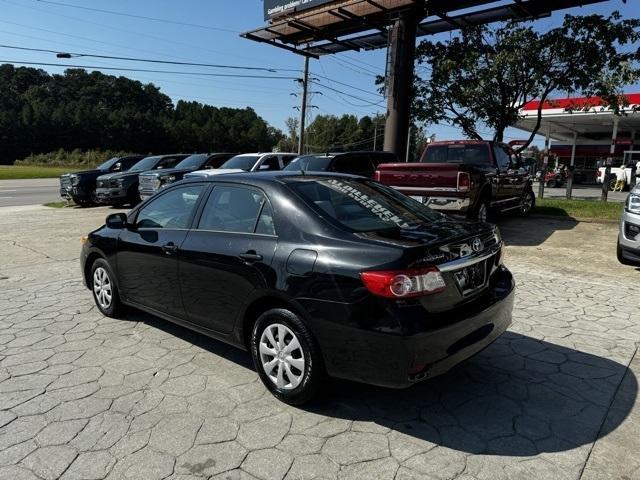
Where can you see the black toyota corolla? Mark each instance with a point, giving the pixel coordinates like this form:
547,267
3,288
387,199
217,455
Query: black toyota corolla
316,275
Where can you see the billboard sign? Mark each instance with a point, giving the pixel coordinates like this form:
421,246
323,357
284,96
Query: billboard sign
274,8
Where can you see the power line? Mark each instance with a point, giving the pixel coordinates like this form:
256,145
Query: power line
367,102
141,17
148,60
204,74
348,85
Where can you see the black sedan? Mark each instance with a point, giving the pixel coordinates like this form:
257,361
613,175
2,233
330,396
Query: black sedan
81,186
317,274
122,188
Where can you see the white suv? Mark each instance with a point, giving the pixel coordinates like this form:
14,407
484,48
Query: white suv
629,235
249,162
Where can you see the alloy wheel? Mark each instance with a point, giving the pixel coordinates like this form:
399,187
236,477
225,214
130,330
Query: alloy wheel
102,288
527,203
281,356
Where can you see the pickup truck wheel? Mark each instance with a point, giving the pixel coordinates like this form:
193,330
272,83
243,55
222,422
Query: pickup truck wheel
481,213
527,203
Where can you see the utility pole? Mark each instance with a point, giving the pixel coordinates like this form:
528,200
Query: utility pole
303,106
408,145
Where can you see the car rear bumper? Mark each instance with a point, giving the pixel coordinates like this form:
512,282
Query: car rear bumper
447,203
393,360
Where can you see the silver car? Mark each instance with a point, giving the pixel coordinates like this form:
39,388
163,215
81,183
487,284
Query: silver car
629,235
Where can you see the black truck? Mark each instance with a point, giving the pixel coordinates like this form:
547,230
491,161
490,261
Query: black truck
122,188
81,186
151,182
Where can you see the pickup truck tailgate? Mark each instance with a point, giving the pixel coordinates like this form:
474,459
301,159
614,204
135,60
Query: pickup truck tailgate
418,175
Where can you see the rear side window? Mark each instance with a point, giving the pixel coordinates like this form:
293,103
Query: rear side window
171,210
286,159
470,154
237,209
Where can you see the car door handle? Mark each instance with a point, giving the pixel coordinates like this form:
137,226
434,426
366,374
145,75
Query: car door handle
170,248
250,256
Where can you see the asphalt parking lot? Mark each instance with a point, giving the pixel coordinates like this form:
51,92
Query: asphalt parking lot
87,397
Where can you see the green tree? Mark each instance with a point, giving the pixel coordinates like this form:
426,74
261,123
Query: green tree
484,76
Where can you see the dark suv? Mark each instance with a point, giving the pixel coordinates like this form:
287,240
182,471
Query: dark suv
151,182
81,186
354,163
122,188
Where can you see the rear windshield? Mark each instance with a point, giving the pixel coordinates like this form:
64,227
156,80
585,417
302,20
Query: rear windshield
309,163
243,162
362,206
461,154
193,161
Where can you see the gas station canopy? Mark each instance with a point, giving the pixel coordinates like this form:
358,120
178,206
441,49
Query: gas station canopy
586,118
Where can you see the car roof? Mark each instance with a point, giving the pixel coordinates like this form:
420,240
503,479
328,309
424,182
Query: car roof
269,177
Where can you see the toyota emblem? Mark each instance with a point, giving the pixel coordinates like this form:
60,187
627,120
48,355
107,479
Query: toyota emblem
477,245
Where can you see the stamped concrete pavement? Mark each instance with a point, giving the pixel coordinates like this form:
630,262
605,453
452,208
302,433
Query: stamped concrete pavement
87,397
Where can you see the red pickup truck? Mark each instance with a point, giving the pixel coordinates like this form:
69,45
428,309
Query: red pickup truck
473,177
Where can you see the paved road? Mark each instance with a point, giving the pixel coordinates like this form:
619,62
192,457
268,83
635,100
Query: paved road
83,396
29,192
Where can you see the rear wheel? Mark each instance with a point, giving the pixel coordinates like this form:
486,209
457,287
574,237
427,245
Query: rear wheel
286,356
105,291
481,211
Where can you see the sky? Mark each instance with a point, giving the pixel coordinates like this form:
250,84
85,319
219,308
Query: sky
210,34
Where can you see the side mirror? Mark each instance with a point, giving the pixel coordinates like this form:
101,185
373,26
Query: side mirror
117,167
116,221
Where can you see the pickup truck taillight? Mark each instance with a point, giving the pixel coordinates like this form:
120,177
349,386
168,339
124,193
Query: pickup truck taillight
376,176
464,182
404,283
598,173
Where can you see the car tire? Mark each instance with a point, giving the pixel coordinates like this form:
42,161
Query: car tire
286,356
104,289
481,212
527,203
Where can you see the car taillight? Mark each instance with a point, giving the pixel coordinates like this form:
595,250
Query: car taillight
464,182
404,283
376,176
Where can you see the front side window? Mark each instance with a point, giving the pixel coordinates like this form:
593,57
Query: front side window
168,162
172,210
237,209
270,163
362,206
502,157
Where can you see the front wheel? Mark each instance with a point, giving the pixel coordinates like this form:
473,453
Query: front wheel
286,356
527,203
105,291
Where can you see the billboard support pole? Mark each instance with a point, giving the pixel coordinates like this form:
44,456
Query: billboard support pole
303,106
401,56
